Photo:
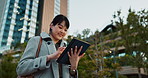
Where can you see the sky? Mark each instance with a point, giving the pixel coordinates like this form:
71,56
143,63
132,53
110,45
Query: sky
96,14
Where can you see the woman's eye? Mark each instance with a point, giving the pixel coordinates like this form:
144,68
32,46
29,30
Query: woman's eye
60,27
65,29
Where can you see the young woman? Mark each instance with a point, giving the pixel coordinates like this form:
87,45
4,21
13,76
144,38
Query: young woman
45,66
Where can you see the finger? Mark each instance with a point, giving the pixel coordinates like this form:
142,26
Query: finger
80,50
60,48
63,48
60,52
75,50
82,55
69,55
71,52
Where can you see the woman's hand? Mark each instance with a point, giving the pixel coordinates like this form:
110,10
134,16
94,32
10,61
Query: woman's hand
74,57
56,54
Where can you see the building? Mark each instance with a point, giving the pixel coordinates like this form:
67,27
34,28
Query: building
112,38
19,21
50,9
22,19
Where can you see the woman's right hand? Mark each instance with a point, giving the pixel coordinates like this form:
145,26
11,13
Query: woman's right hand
56,54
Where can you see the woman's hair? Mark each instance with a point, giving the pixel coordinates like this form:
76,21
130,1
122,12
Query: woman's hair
59,19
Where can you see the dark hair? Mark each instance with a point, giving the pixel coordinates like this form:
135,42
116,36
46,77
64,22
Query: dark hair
59,19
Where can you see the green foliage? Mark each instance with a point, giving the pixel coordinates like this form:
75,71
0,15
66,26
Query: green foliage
8,67
134,35
69,38
85,33
8,63
125,60
21,46
119,75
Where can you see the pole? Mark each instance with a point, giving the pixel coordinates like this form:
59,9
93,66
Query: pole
102,55
114,56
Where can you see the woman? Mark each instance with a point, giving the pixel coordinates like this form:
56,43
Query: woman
45,66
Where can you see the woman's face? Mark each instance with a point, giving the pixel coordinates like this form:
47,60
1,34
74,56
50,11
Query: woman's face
58,31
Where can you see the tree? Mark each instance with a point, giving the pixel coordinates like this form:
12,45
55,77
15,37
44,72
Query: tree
85,33
8,67
9,63
20,46
133,34
93,63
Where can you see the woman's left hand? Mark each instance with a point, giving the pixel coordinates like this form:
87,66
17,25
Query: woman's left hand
74,57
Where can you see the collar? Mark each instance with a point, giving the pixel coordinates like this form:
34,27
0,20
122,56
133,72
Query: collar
45,36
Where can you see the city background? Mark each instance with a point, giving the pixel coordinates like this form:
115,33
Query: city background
117,31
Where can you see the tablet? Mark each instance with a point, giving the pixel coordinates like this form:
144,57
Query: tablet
64,59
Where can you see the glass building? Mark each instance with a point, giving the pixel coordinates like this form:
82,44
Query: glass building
18,21
22,19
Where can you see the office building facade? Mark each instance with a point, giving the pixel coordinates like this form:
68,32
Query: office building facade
23,19
50,9
19,21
